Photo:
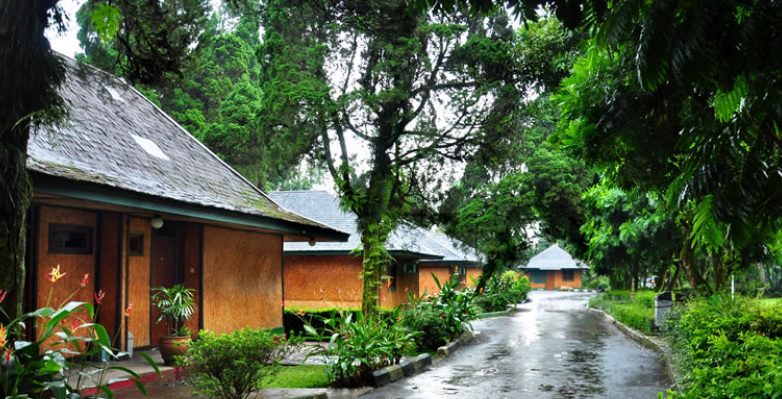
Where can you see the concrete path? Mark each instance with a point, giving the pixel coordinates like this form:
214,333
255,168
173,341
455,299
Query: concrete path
553,348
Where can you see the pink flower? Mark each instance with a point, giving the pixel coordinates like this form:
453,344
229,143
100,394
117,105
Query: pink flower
2,295
85,280
99,296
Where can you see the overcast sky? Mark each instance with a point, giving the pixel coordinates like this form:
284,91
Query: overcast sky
67,43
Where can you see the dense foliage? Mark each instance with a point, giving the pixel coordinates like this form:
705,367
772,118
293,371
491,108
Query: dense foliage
509,288
633,308
440,318
60,361
359,344
727,348
233,366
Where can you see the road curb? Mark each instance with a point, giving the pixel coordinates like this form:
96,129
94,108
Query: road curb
646,341
445,350
406,368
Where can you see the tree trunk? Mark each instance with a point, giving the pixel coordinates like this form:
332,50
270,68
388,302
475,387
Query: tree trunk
16,189
28,82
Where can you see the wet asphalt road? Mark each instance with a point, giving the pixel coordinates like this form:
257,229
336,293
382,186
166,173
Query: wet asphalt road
553,348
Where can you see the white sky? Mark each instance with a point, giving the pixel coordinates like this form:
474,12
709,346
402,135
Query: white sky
67,43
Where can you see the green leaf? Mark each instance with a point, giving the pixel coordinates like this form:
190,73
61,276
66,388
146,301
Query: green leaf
728,104
106,20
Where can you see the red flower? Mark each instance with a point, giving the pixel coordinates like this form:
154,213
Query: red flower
85,280
8,353
128,310
2,295
3,336
99,296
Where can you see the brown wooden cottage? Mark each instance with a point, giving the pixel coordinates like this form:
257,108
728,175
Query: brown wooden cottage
124,193
554,269
328,274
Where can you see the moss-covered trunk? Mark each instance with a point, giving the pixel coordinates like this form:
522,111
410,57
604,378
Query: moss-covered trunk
29,79
14,201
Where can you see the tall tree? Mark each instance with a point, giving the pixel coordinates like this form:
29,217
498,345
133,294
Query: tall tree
411,88
28,97
148,40
520,185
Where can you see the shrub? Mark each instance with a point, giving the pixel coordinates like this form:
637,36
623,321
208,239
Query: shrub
358,345
442,317
636,309
507,289
727,348
61,359
232,366
599,283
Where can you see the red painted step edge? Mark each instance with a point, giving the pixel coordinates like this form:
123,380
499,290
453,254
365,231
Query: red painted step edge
177,373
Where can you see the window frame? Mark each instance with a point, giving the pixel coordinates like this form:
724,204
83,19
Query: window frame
55,228
131,237
568,275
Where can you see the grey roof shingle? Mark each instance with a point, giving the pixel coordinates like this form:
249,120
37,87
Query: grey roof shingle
114,136
553,258
325,208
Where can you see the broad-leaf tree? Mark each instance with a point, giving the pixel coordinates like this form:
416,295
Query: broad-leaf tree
412,89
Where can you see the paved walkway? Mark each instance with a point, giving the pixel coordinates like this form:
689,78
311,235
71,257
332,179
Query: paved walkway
553,348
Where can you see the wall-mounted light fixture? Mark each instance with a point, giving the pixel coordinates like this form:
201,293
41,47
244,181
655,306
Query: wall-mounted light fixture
156,222
312,241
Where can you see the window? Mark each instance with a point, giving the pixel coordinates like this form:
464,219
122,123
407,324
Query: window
538,276
568,275
410,268
69,239
462,271
391,282
136,244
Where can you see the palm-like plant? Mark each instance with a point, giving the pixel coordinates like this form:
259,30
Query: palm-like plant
175,304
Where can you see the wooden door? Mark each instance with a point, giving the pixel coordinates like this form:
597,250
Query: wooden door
549,280
166,271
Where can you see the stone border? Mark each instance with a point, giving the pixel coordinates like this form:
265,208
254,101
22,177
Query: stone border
406,368
445,350
646,341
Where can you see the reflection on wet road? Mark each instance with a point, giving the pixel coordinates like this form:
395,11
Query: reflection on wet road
553,348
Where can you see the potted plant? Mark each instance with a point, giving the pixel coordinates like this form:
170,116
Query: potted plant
175,304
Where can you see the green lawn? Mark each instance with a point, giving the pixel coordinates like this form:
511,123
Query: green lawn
636,309
771,302
304,376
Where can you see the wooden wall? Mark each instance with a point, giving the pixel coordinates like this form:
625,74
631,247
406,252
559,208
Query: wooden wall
138,285
554,280
109,270
191,258
426,283
75,266
405,283
472,277
322,281
242,274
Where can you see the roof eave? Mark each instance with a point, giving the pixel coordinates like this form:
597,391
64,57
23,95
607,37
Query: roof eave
63,187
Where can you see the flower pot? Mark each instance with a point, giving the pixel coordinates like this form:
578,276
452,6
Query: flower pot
173,346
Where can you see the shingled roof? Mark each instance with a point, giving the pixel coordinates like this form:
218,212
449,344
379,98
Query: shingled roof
553,258
453,250
325,208
114,137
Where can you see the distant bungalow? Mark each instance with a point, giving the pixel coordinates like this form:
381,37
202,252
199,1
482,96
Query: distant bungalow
554,269
328,274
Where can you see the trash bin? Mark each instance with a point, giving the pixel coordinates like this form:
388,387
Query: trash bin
663,303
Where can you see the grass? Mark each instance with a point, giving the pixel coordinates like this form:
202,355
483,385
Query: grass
635,309
771,302
303,376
